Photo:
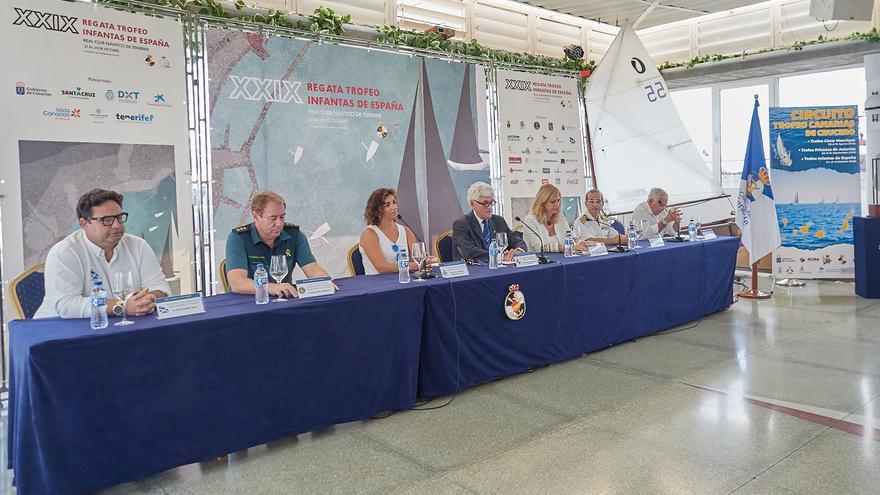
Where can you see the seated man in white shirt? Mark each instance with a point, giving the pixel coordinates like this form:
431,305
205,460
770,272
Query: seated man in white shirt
100,246
593,227
656,218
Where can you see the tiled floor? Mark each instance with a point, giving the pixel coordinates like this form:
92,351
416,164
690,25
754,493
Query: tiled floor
729,406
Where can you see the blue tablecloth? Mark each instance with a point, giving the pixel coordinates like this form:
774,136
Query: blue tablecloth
90,409
573,306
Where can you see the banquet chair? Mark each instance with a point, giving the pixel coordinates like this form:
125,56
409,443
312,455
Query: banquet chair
355,261
224,282
27,291
443,246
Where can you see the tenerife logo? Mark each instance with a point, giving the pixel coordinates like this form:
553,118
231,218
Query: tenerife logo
518,85
141,117
45,20
77,93
258,89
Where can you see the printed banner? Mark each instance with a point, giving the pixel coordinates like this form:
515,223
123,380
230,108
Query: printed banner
815,164
540,137
96,99
325,135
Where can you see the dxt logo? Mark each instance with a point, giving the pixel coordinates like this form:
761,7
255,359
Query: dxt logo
516,84
45,20
256,89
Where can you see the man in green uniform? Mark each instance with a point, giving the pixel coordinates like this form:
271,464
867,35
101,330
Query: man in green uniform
265,237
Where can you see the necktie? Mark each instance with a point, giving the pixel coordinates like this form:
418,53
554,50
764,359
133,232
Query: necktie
486,233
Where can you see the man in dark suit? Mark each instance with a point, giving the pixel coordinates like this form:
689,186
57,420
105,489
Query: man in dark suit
472,233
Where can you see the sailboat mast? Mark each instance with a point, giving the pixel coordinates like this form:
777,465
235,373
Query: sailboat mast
590,147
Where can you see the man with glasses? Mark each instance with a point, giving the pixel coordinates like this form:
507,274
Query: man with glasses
657,219
594,227
102,247
472,233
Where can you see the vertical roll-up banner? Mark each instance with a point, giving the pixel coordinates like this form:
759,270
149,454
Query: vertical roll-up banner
815,166
540,138
94,98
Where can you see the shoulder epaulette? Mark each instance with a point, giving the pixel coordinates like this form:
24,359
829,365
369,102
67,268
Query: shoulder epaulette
585,218
241,229
291,226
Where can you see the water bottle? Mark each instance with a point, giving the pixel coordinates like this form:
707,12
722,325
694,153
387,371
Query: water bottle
692,231
403,266
568,243
493,255
631,238
261,285
98,304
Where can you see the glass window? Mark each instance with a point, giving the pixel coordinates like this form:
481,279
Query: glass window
736,117
695,108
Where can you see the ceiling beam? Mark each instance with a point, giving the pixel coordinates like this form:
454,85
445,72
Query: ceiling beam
674,7
644,14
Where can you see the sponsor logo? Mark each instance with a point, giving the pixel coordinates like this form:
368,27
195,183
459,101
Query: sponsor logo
162,62
545,181
571,171
259,89
140,117
517,84
61,113
514,159
551,151
513,138
127,96
558,182
530,181
98,116
159,101
526,151
514,170
571,140
22,89
77,93
545,170
572,181
514,181
45,20
550,161
537,126
557,171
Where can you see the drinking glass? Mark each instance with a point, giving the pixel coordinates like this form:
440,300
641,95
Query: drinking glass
122,287
419,255
698,221
575,235
501,240
278,270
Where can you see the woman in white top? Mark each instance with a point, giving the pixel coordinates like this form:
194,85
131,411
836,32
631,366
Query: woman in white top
383,233
545,219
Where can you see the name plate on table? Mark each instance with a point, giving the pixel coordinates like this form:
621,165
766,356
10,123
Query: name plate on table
311,287
656,240
709,234
597,249
526,259
454,269
174,306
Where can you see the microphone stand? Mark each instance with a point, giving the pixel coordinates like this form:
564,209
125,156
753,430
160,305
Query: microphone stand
421,272
620,248
467,261
678,237
541,258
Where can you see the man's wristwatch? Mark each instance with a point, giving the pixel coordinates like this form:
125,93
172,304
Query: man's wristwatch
119,307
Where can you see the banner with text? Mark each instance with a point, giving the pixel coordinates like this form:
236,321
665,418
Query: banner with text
325,125
96,98
540,137
815,166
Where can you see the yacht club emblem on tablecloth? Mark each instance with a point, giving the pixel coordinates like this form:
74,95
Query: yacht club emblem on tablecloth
515,303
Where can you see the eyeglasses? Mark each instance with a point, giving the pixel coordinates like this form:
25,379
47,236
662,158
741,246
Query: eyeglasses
107,221
486,204
595,201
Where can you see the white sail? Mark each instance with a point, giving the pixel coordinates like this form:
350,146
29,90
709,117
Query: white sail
637,137
784,155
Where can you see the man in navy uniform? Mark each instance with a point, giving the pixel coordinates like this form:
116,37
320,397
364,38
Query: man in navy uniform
265,237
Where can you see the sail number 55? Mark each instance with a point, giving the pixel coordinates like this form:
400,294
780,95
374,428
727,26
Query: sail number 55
655,91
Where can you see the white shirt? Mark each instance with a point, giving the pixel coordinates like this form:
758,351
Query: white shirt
643,212
70,262
386,245
590,228
534,243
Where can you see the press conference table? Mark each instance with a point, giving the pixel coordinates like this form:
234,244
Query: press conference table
90,409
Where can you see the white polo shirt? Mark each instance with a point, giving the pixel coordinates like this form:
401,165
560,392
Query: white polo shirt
69,263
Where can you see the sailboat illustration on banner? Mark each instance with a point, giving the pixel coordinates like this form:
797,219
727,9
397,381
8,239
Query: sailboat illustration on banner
796,200
784,155
466,153
637,137
438,192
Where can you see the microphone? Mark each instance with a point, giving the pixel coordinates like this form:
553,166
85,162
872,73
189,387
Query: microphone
422,274
541,258
620,248
468,261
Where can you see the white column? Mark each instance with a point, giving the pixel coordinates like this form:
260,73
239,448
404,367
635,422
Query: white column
872,115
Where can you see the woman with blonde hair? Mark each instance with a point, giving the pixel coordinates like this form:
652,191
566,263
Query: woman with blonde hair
546,219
